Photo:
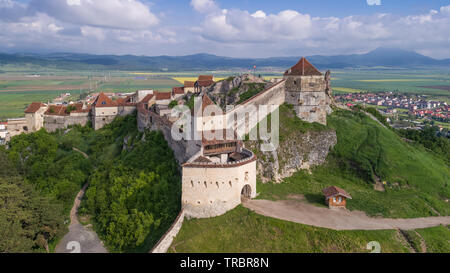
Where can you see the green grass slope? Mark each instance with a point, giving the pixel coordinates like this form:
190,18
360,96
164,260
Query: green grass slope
244,231
417,181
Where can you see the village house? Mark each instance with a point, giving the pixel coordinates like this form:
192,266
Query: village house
189,87
203,82
336,197
178,92
163,98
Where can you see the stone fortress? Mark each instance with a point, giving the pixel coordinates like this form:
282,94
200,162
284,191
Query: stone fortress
219,171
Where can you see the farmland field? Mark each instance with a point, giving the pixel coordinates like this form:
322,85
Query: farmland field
20,87
410,81
18,91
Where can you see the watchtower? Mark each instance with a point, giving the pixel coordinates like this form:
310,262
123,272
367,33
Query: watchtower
309,91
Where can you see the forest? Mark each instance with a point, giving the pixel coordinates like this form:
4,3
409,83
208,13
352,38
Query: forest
133,195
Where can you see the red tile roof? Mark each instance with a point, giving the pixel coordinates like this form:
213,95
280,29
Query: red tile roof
56,110
206,78
147,98
205,83
103,101
125,101
61,110
202,159
34,107
163,95
206,101
333,191
303,68
178,90
189,84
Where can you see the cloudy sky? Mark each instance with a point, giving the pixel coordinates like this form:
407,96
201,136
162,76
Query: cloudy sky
237,28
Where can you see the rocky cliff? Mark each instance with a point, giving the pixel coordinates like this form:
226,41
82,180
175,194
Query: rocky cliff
234,90
302,146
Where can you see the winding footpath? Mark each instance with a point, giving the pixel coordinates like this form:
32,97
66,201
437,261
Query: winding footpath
80,239
339,219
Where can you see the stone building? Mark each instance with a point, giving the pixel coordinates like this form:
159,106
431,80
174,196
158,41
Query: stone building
105,110
178,92
163,98
309,91
16,126
217,178
34,114
219,171
61,116
189,87
203,82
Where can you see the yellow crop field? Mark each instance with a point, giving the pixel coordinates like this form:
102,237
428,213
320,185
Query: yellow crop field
348,90
396,80
192,79
159,73
185,79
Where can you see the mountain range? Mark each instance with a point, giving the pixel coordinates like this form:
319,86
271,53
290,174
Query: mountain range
379,58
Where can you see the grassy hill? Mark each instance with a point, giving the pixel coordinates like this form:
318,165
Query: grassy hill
417,181
244,231
366,153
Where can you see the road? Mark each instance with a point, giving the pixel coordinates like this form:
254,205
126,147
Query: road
337,219
80,239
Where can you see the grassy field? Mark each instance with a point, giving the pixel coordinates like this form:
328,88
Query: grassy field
243,231
347,90
17,92
417,181
52,82
407,81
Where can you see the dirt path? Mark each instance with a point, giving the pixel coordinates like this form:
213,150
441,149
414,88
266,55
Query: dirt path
340,219
80,239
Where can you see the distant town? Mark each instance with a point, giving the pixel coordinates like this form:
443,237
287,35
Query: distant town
404,111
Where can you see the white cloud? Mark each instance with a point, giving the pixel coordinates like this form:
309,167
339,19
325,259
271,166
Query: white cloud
204,6
130,27
123,14
296,33
374,2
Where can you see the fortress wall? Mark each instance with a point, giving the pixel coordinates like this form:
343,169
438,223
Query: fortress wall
273,96
143,118
53,123
235,118
16,126
211,192
166,241
182,149
126,110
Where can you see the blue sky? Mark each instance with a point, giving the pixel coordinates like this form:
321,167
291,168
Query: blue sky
253,28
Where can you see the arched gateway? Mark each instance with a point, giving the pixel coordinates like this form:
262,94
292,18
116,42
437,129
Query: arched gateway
246,192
